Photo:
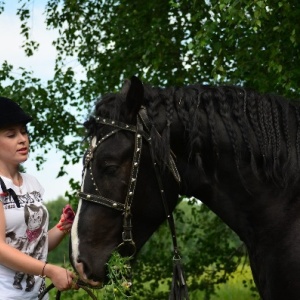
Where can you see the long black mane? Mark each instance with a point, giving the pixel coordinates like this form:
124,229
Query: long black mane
263,130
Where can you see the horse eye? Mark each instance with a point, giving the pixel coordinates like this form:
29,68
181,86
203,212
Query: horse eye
111,170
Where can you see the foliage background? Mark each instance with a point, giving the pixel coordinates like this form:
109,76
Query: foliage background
175,42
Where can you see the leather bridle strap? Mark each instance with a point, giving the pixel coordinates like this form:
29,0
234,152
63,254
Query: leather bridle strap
148,125
169,216
179,286
127,226
102,200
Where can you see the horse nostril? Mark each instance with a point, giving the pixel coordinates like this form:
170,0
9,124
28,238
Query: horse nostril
94,282
80,269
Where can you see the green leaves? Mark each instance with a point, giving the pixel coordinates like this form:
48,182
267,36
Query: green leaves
29,45
249,42
252,42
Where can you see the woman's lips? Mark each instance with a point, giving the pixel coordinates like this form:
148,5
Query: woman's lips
23,150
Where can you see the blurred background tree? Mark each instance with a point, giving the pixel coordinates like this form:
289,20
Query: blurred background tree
60,255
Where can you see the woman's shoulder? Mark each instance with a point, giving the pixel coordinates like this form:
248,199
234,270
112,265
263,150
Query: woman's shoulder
29,177
32,181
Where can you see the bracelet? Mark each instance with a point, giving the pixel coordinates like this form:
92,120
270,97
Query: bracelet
43,275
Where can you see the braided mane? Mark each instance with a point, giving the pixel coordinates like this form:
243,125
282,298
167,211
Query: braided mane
262,129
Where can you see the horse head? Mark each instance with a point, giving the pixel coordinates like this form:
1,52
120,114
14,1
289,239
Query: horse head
120,202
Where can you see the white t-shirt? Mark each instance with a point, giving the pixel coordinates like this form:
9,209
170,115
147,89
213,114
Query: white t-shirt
26,230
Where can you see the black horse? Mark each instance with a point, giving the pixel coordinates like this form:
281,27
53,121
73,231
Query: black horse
234,149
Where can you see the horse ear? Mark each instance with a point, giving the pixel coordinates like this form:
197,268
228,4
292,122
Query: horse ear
135,95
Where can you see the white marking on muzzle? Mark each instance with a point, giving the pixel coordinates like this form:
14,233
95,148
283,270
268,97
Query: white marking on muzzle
74,232
74,235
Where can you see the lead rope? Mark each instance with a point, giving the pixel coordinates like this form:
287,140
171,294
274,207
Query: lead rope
58,293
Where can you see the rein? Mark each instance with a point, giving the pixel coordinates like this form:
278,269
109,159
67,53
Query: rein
58,293
179,287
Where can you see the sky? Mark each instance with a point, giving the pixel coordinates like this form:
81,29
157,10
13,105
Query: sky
42,64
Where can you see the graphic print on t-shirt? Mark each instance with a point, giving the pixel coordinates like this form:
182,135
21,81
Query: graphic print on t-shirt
32,243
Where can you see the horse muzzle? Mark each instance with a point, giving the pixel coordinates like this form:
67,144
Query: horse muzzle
83,277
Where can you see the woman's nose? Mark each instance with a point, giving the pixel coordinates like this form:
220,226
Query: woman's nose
22,137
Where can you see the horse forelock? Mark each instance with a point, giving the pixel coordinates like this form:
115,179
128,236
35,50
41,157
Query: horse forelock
113,106
109,106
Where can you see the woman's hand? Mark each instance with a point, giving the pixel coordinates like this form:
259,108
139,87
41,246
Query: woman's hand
66,219
62,279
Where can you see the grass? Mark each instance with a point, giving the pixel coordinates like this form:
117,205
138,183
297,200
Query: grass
119,273
239,287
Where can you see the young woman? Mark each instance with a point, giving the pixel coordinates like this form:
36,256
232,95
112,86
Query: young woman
24,236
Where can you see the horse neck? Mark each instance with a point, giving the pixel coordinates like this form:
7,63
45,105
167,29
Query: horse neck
214,178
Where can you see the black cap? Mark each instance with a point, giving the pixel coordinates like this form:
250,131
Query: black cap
12,113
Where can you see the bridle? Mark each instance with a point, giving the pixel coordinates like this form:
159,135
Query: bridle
141,131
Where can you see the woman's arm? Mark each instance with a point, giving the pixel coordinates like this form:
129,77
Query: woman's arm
58,232
19,261
55,236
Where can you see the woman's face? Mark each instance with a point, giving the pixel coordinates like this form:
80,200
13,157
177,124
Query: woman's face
14,144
